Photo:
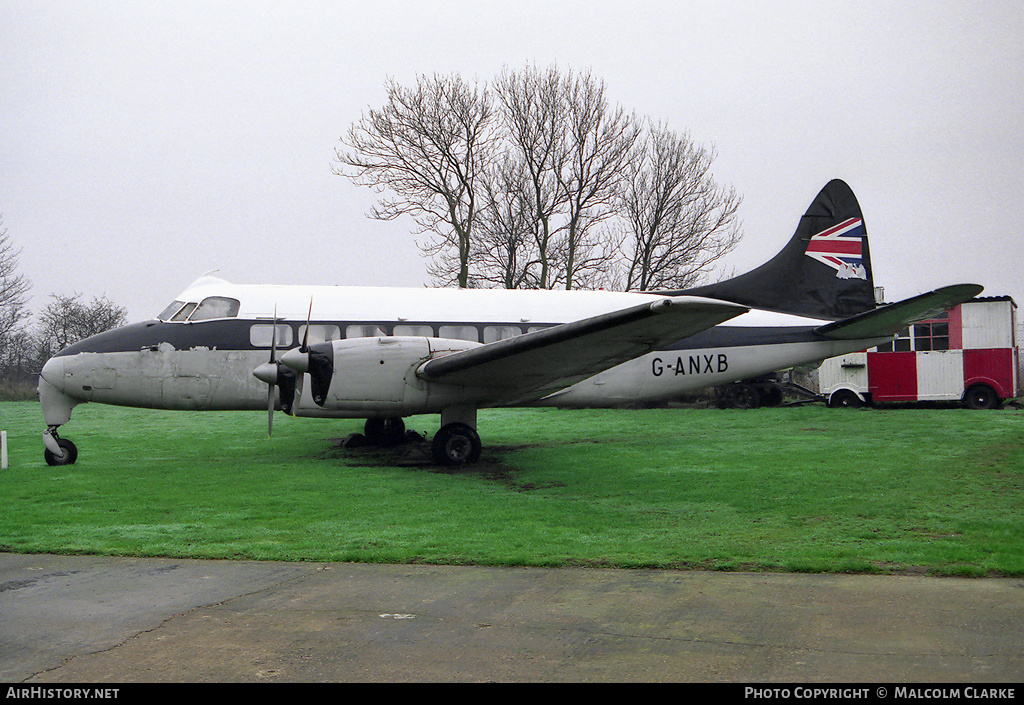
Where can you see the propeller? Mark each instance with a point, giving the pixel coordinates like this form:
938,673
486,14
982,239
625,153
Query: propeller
277,372
268,372
317,360
292,373
298,358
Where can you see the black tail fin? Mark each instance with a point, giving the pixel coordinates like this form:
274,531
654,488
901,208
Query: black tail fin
824,271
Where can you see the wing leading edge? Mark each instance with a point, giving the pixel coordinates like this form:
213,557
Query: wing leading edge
891,319
538,363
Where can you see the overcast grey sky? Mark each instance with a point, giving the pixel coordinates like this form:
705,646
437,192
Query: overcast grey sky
143,144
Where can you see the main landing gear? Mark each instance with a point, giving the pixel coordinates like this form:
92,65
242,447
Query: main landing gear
456,443
384,431
59,451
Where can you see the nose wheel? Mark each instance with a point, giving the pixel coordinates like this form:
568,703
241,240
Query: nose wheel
59,451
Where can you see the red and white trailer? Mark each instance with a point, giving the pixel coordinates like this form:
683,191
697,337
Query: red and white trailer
968,355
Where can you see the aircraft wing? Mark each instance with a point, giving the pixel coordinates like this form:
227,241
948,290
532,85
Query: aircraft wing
538,363
891,319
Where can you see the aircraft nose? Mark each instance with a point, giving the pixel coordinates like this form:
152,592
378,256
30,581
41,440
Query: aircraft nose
53,372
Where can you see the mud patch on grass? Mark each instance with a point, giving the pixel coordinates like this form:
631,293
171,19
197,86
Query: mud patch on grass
497,463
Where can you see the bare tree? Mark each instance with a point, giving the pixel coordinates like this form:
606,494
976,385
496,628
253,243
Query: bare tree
506,247
66,320
677,220
429,147
16,359
599,145
547,185
534,113
14,289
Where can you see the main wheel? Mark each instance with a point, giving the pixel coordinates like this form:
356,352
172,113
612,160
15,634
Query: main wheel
981,396
386,432
772,396
68,456
456,444
844,398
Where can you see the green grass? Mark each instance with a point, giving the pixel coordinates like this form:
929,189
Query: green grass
792,489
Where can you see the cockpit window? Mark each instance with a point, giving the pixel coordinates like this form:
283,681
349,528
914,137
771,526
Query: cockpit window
211,307
169,312
216,307
184,312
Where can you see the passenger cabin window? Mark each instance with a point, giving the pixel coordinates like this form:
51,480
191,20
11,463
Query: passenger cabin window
494,333
460,333
364,331
320,333
215,307
261,335
414,330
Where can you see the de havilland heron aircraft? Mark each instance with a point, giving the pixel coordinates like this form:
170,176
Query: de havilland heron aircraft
383,354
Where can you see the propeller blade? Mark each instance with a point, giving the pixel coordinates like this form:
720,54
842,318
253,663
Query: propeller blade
305,336
270,411
273,338
297,394
298,358
270,385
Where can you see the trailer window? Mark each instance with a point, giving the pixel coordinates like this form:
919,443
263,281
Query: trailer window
932,335
901,344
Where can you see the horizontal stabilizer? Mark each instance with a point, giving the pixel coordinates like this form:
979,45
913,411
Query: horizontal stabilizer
556,357
890,320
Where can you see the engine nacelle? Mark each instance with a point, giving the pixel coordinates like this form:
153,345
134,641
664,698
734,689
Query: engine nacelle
377,377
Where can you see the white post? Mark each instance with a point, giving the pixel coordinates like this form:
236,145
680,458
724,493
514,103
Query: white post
3,450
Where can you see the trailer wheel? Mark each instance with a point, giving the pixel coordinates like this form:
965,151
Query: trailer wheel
742,396
772,396
981,396
844,398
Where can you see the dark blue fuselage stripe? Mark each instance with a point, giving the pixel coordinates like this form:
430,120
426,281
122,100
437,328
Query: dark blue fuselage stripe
233,334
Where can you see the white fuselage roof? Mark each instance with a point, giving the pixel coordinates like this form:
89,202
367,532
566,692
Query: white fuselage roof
357,303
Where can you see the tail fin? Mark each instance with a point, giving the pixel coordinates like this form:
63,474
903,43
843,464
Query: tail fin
824,271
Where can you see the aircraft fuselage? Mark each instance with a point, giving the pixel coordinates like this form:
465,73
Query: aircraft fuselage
208,364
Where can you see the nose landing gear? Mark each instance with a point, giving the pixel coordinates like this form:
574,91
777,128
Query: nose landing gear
59,451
